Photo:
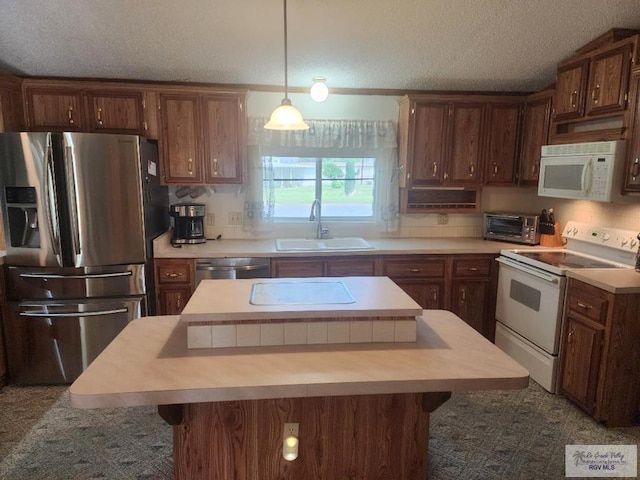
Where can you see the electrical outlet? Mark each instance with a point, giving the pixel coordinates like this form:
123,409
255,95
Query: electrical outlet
211,219
235,218
291,429
443,218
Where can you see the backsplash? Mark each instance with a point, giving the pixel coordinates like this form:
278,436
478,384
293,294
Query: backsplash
230,199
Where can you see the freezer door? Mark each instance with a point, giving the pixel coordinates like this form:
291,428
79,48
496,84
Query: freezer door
29,199
53,342
104,198
36,283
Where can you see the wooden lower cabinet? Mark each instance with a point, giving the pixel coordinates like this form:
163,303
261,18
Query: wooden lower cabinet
464,284
599,368
175,283
340,437
323,267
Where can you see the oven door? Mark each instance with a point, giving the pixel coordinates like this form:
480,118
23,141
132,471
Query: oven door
529,301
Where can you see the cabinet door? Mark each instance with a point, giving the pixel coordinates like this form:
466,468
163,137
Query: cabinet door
608,81
537,119
502,144
180,146
427,294
427,161
469,302
571,83
582,346
59,109
223,133
116,112
465,143
171,300
289,267
632,174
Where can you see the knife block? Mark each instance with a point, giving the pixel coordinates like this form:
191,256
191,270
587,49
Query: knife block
554,240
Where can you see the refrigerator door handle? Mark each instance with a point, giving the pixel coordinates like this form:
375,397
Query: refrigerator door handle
88,276
69,161
50,213
75,314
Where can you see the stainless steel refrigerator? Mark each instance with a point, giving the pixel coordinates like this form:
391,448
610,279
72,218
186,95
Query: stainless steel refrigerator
80,211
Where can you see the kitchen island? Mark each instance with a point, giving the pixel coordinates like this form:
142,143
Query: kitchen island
362,408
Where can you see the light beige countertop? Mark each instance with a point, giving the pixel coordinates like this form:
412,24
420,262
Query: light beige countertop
382,246
618,281
230,300
149,364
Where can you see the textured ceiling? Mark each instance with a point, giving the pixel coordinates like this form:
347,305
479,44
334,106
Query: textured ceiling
401,44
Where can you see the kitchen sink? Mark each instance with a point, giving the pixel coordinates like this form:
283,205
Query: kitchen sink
314,244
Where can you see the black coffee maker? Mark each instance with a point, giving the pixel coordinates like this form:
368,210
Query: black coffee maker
188,223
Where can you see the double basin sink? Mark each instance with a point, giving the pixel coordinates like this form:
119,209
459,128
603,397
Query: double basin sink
322,244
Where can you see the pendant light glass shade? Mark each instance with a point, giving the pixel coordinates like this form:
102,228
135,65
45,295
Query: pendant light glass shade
286,116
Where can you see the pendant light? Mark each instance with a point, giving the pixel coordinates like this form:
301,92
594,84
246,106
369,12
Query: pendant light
286,116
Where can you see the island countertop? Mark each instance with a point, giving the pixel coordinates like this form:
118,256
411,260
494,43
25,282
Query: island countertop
149,364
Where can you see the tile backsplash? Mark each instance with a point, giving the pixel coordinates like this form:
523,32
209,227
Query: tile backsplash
224,200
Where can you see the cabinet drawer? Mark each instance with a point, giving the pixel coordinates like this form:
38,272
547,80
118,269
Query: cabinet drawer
357,267
587,301
173,272
415,268
471,267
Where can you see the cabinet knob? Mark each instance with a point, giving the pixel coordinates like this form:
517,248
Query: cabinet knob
173,275
70,115
190,166
473,269
99,116
434,173
573,99
463,295
472,169
215,167
414,270
635,168
595,94
179,302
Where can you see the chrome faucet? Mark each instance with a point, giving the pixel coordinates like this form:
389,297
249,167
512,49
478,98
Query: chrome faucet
316,214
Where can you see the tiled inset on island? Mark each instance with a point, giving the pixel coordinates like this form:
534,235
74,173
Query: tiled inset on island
290,311
308,331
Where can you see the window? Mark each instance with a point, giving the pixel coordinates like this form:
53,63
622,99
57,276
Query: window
344,186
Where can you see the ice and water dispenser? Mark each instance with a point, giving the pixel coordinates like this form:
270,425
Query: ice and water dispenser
22,217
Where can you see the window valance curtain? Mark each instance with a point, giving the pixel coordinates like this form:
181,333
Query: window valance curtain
325,138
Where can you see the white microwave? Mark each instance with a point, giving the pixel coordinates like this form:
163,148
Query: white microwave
589,171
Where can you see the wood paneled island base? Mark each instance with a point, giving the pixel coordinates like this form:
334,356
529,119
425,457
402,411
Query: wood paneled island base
350,437
362,409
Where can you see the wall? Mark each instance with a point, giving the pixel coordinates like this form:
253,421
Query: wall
222,200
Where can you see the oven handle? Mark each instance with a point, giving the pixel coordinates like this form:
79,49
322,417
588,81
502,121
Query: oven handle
526,269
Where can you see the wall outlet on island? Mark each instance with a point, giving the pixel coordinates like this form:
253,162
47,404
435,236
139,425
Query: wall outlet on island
235,218
443,218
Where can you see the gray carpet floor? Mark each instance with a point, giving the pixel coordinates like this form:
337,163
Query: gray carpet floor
515,434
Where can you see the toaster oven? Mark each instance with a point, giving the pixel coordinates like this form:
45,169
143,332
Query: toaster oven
511,227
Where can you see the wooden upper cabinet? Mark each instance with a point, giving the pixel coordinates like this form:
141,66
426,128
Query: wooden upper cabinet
535,134
54,108
203,137
180,145
223,139
11,110
427,165
503,132
466,143
609,80
116,112
571,84
632,174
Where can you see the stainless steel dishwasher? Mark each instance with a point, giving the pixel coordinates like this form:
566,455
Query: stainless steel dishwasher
232,268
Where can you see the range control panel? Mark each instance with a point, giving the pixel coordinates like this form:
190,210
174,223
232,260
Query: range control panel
601,238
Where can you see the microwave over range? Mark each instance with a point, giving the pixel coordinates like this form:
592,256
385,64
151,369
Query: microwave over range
511,227
588,171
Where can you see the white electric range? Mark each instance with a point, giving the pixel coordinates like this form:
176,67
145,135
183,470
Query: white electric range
531,292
